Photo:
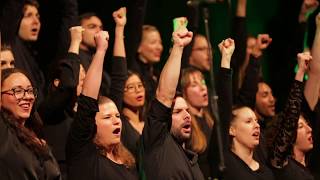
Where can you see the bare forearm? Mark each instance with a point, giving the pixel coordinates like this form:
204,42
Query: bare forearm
169,77
119,48
93,78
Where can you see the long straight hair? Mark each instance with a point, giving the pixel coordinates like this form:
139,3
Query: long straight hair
198,140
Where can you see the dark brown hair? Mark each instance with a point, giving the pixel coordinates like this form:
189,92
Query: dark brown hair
29,133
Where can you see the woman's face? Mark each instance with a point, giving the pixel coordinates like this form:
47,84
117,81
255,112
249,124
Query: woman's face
134,92
244,128
150,48
82,75
18,96
6,59
304,141
196,92
108,124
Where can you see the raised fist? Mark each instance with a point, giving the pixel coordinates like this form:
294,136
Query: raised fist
102,40
120,17
182,37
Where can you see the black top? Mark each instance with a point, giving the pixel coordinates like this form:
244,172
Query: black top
164,158
203,157
312,158
17,161
282,130
293,171
237,168
84,159
130,137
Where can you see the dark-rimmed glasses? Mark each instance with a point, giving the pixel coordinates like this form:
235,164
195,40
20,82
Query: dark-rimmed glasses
19,93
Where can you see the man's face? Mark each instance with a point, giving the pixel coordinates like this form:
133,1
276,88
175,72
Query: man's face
200,57
30,24
181,120
91,26
265,102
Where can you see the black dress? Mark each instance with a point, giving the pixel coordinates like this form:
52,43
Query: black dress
17,161
84,159
163,157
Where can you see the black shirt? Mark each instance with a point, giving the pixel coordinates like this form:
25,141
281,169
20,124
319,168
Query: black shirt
238,169
293,171
84,159
130,137
17,161
163,157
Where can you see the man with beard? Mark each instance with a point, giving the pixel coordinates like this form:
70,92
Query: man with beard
164,155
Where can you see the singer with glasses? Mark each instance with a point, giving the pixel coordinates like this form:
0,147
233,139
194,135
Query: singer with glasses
23,154
19,92
133,111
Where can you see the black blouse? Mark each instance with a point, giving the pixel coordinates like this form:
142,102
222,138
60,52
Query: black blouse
17,161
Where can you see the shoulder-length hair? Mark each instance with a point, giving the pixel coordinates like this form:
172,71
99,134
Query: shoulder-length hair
120,151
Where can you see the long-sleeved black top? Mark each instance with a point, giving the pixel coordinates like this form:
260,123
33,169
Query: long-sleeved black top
17,161
163,156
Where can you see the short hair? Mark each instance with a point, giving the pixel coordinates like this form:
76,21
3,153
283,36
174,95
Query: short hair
86,16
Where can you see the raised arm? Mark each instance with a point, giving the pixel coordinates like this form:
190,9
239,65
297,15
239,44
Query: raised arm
286,122
312,88
119,64
169,76
62,89
93,78
249,86
158,120
224,88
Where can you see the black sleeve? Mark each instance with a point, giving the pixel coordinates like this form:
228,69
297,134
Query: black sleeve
59,98
239,34
118,79
10,20
224,92
157,125
136,14
69,18
286,124
83,128
249,88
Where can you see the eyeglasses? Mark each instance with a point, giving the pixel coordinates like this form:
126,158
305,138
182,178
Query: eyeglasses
19,93
132,87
